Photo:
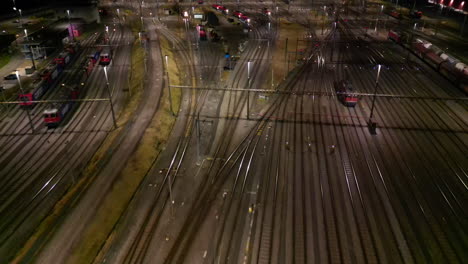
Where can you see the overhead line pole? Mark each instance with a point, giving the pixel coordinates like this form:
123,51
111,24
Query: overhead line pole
169,84
27,109
248,90
110,97
372,125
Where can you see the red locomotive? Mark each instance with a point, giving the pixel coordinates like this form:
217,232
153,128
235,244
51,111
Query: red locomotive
54,116
105,57
346,94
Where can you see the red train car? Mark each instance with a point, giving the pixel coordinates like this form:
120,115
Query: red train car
395,14
244,19
202,34
105,57
237,14
40,85
63,58
395,36
46,78
266,12
54,115
345,93
220,8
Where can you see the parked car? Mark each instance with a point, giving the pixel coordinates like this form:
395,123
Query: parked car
11,76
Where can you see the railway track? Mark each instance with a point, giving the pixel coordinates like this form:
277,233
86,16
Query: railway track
352,208
48,180
395,110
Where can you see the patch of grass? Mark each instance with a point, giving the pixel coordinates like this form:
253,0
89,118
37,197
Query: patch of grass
5,58
12,93
151,145
292,32
44,229
130,106
48,224
174,73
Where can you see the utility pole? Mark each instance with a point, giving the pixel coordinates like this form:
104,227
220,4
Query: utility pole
169,84
297,46
32,57
248,91
286,49
30,48
198,138
110,97
141,11
27,109
371,124
20,18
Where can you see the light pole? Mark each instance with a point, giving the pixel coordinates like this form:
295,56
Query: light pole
70,25
248,89
168,83
110,97
20,17
19,12
141,11
372,125
107,35
30,48
27,109
118,16
198,139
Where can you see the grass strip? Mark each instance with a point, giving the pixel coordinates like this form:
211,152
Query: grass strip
136,85
5,58
292,32
116,202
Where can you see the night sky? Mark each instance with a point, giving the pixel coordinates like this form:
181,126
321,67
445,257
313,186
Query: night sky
6,6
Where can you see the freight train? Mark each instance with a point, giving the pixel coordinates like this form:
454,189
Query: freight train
444,63
47,76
